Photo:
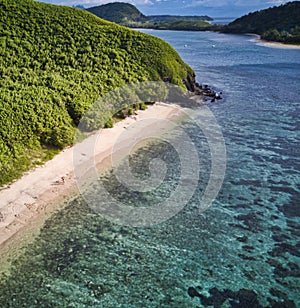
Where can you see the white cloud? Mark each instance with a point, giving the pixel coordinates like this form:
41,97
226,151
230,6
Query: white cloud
277,2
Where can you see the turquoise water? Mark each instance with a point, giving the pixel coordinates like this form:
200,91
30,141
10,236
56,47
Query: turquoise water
243,251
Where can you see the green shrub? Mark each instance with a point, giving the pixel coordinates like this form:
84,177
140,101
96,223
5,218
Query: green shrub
109,123
143,106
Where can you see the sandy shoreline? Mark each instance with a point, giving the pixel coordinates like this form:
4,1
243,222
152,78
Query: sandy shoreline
29,201
262,42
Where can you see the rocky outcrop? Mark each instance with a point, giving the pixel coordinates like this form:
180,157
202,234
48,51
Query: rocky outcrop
201,90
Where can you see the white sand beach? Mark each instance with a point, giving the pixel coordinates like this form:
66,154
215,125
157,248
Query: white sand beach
257,39
26,203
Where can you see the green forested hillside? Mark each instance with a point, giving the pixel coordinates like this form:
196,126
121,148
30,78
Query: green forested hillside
54,63
281,24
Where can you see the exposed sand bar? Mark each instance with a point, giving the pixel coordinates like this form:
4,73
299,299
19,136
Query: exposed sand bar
26,203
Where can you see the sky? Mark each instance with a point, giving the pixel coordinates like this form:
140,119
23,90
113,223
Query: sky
212,8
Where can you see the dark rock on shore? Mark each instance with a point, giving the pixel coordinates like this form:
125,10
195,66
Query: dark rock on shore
206,92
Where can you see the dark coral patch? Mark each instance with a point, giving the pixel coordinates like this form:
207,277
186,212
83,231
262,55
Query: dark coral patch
244,257
243,298
250,220
292,270
242,239
281,249
292,209
248,248
192,292
278,293
284,304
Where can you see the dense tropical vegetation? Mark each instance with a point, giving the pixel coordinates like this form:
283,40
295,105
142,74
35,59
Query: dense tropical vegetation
55,62
280,24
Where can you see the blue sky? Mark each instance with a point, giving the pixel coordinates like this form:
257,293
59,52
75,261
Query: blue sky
213,8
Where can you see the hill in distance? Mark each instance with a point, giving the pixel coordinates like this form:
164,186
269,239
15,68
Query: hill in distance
119,12
55,64
128,15
280,24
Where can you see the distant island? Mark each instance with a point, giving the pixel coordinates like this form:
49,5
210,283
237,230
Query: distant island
126,14
279,24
